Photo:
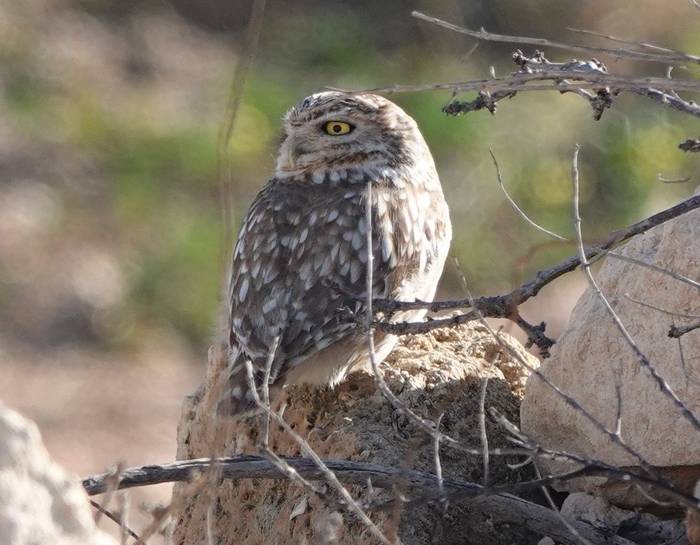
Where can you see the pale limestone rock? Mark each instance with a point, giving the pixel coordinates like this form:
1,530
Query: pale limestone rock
436,373
39,502
591,355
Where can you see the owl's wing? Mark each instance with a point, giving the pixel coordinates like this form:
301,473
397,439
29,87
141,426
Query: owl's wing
299,270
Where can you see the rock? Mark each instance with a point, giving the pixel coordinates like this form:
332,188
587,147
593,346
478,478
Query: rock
638,528
436,373
594,510
591,355
39,502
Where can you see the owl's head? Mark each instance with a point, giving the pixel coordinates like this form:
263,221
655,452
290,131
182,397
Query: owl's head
341,130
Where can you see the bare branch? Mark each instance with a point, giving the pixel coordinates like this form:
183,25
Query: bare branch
505,306
114,518
664,56
482,429
438,464
520,81
642,45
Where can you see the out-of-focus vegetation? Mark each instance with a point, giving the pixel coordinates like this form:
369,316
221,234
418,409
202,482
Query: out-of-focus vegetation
110,206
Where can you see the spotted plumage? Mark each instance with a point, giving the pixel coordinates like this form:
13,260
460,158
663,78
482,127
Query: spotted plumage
300,263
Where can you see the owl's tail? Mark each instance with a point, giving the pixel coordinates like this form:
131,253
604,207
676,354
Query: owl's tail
237,397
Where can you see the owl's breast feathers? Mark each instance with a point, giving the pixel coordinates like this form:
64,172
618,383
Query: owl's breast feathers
300,262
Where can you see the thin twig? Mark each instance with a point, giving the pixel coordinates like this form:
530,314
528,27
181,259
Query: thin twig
112,486
667,57
427,425
124,530
245,61
515,206
652,267
659,309
115,518
438,465
643,45
482,429
553,506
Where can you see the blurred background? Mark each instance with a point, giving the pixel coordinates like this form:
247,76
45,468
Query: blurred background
112,239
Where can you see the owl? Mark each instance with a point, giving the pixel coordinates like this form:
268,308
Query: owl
299,274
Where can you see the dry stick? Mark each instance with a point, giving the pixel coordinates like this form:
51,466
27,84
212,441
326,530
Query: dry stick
111,516
124,531
659,309
496,306
482,429
641,358
668,56
524,82
421,483
266,387
651,266
235,97
499,306
500,507
269,453
112,486
553,505
427,425
331,478
197,482
623,41
438,465
515,206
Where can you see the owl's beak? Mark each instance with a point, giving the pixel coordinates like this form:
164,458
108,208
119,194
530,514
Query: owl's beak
292,148
295,148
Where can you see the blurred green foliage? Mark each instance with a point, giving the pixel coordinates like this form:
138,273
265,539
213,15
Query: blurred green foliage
159,197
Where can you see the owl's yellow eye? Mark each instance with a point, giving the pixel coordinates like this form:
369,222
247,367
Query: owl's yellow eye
335,128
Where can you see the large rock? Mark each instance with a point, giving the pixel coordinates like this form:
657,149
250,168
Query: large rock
436,373
39,502
591,355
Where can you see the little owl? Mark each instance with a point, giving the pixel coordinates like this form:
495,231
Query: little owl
299,274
